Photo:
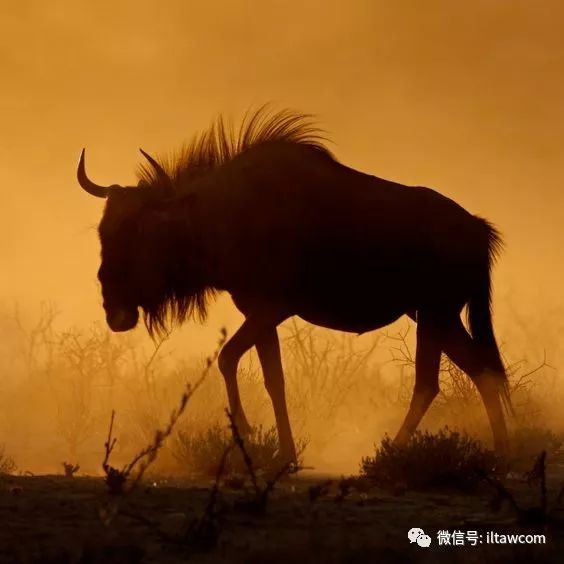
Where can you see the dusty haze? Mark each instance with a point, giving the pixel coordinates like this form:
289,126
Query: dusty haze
466,98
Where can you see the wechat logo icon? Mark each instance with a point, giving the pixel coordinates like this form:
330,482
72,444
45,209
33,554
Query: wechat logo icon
418,535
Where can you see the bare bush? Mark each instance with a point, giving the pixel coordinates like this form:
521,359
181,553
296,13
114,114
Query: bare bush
459,403
149,403
331,380
201,452
324,365
446,459
88,364
7,463
36,344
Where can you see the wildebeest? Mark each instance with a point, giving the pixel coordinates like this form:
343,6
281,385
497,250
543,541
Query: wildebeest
270,216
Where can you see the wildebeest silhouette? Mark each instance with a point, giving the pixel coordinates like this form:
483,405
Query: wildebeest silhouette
267,214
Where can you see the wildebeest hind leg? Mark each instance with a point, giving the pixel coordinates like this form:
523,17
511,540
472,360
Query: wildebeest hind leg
268,349
472,359
427,363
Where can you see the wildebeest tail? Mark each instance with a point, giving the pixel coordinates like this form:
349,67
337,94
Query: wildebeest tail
480,307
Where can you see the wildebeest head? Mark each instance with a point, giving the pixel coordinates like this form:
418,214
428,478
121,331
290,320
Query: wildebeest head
130,273
159,244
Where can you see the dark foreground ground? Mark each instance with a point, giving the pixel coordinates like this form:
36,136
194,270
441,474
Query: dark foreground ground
52,519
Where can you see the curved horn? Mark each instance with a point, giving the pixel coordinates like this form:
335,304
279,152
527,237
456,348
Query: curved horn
158,168
87,184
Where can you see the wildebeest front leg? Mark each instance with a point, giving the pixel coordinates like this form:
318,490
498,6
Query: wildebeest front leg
245,337
268,349
228,362
427,363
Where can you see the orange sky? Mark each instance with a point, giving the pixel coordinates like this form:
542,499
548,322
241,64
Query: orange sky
464,97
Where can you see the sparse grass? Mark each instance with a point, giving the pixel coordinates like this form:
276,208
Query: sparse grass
446,459
199,453
7,464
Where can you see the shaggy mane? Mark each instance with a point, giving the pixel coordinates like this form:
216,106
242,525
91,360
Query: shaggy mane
208,150
176,307
220,143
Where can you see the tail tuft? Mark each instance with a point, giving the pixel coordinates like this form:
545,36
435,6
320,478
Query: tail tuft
480,308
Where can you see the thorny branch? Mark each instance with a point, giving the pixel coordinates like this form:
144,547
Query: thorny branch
461,387
240,443
258,504
116,479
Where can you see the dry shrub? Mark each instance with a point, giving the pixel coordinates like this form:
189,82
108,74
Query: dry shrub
446,459
7,464
200,452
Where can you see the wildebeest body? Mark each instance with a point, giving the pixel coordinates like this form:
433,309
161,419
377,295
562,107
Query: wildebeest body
331,228
272,218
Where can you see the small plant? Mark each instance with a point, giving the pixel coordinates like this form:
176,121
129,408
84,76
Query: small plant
201,452
528,442
446,459
70,469
7,464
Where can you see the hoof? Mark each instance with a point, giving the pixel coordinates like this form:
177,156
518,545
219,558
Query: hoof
285,460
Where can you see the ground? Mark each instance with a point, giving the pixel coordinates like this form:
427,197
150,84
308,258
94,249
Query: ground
53,519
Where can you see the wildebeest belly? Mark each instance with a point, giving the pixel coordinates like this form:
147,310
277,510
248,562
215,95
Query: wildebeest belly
353,320
355,308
